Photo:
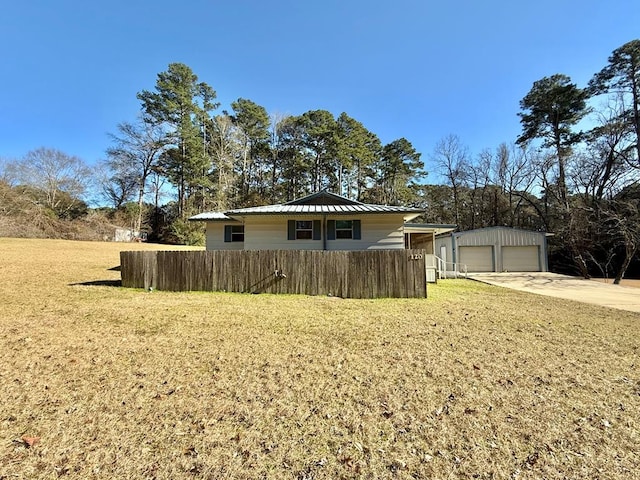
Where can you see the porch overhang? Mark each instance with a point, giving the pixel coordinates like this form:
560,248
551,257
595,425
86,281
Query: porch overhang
434,228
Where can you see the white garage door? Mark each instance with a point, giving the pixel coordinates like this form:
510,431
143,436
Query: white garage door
520,259
477,259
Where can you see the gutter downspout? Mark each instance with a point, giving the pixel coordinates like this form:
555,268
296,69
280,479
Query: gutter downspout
545,258
324,232
454,248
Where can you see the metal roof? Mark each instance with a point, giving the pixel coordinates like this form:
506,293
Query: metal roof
477,231
324,197
320,209
211,217
320,203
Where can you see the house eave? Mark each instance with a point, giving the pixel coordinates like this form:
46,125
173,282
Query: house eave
436,228
211,217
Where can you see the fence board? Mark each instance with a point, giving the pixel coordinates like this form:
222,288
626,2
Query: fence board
357,274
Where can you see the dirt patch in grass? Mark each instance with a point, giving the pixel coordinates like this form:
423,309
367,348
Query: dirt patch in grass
474,382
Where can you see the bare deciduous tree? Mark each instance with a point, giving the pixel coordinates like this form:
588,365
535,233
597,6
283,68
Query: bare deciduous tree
452,160
135,153
63,179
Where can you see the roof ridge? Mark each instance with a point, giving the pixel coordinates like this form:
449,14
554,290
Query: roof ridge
324,192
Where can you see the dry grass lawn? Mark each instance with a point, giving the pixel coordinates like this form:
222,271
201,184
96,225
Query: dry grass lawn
102,382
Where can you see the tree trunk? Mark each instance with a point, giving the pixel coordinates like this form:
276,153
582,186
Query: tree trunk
274,178
138,226
630,251
636,113
455,204
562,181
358,181
182,186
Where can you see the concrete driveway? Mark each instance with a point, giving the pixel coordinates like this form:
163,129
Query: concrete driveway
564,286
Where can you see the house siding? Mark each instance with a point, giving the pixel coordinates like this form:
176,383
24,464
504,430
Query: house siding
270,233
215,237
499,236
379,232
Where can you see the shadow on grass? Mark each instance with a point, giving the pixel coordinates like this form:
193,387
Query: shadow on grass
99,283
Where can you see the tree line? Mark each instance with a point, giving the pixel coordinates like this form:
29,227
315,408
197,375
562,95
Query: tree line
247,157
573,171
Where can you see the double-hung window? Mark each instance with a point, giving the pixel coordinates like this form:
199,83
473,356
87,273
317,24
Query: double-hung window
234,233
304,230
344,230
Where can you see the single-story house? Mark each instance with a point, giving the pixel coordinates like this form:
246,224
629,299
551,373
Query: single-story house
493,249
320,221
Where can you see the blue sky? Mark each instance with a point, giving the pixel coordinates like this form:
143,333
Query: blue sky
417,69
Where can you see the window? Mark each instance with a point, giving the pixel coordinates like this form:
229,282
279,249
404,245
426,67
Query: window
344,229
234,233
237,233
304,229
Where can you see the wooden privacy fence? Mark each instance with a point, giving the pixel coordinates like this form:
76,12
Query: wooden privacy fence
359,274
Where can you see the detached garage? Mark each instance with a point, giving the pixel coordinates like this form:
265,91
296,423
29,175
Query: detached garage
494,249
